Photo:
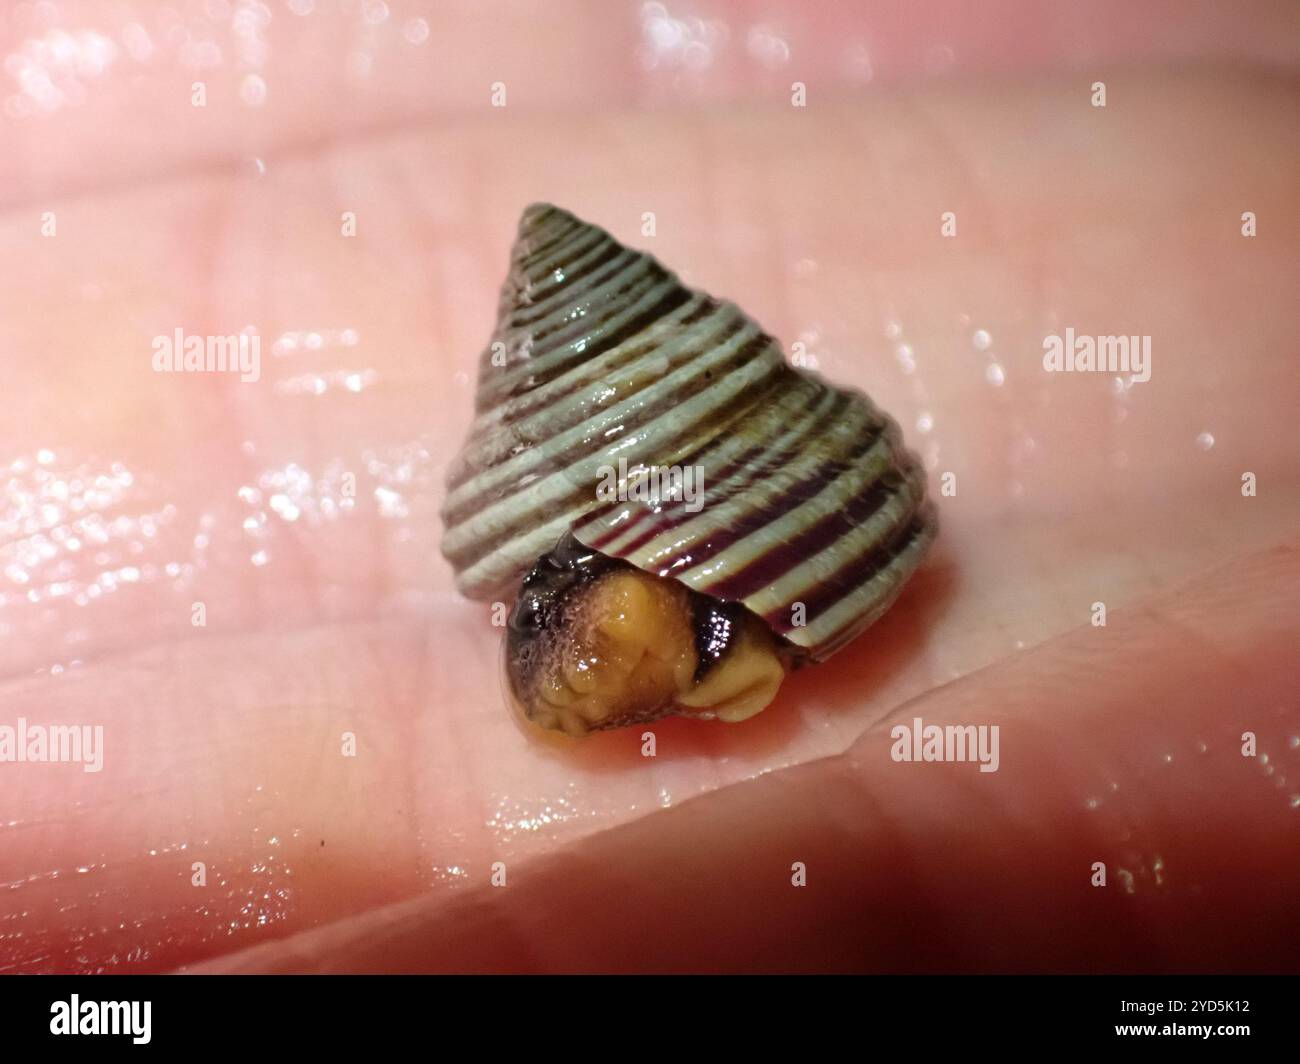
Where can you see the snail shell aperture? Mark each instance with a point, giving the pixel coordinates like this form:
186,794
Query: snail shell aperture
689,514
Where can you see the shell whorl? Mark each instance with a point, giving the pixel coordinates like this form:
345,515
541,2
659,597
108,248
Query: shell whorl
813,515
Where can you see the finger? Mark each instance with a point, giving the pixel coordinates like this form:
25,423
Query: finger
1121,748
145,92
365,382
228,735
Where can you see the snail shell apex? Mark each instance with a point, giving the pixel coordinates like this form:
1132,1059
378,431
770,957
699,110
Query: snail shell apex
813,514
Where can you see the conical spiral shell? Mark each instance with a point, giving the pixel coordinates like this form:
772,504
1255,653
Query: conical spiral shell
813,515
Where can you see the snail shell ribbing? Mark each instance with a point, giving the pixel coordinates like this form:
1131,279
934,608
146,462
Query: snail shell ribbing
812,514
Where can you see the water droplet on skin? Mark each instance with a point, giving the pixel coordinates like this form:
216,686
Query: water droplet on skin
137,41
391,503
1205,441
415,31
982,340
252,92
924,422
766,46
995,375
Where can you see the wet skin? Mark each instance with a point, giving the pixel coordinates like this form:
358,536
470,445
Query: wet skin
300,511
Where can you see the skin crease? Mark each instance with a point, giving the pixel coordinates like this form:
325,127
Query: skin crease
222,743
1187,829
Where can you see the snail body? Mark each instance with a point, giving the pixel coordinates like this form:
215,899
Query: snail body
644,451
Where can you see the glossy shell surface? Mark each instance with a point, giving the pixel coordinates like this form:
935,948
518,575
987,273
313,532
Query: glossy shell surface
664,427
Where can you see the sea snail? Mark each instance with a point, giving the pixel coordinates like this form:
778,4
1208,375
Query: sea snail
690,516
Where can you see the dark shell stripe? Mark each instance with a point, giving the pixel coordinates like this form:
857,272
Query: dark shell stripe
535,363
584,390
559,429
773,540
812,510
542,229
570,247
854,613
709,372
731,515
612,286
491,531
730,465
825,527
573,324
801,525
540,348
668,335
828,576
566,467
605,275
780,493
532,272
690,325
605,302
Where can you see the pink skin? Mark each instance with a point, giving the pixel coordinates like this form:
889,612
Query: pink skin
329,613
918,867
